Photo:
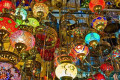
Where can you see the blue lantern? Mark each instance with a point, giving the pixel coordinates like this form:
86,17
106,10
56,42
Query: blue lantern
92,37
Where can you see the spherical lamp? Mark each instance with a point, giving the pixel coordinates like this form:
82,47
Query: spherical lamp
66,71
92,39
40,10
22,39
81,51
107,68
96,5
99,23
6,4
8,24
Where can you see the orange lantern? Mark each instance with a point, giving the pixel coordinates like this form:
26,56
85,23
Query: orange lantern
96,5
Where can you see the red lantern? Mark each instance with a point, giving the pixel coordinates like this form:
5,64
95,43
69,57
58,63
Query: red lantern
96,5
107,68
8,24
99,76
6,4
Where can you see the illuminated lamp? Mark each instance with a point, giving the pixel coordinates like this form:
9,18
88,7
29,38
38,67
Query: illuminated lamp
22,40
8,24
92,39
9,72
99,76
6,5
81,51
106,68
99,23
40,10
96,5
31,22
66,71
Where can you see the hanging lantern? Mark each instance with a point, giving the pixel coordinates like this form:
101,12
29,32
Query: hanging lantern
96,5
107,68
22,12
9,72
99,23
31,22
99,76
81,51
40,10
6,4
66,71
92,39
8,24
22,38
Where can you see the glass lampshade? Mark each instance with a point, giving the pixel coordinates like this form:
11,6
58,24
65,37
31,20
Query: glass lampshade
95,3
40,7
22,12
92,36
99,23
24,37
9,72
6,4
8,24
66,70
81,51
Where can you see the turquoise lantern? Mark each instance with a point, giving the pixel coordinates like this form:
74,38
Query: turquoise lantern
92,39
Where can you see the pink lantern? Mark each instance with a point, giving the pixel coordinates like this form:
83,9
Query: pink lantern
24,37
81,51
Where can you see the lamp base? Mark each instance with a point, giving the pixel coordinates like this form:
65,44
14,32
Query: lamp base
66,78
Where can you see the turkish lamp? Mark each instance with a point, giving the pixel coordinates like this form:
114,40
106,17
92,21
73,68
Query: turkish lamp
66,71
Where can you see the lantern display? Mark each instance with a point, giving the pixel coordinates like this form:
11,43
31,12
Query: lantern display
22,12
92,39
6,4
24,37
81,51
96,5
99,76
40,9
66,70
8,24
99,23
31,22
9,72
107,68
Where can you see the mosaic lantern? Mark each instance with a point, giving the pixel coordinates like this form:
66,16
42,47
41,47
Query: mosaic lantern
66,71
6,4
92,39
99,23
40,10
8,24
31,22
22,37
96,5
9,72
107,68
81,51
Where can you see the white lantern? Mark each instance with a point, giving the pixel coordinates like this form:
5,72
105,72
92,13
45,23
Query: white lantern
66,70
